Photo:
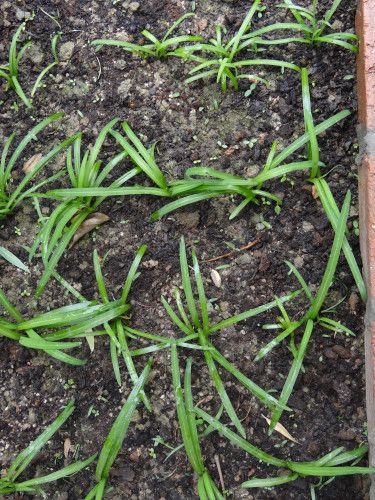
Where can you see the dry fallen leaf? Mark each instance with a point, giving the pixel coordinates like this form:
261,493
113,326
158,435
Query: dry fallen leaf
88,225
67,447
216,278
30,164
281,430
314,192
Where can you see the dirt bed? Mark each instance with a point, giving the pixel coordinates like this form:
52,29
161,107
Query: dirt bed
189,123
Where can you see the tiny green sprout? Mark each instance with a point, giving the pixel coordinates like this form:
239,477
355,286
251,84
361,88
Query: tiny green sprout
219,57
9,482
155,48
306,24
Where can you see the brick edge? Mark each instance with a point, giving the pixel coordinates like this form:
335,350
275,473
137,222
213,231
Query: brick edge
365,27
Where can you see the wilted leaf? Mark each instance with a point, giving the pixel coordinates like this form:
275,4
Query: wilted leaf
281,430
29,165
216,278
88,225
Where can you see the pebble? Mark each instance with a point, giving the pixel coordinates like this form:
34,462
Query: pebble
346,435
188,219
342,351
66,51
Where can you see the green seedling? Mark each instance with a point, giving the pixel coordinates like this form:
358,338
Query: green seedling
113,327
9,483
312,317
74,321
155,47
10,71
187,421
87,192
11,198
222,62
306,23
327,466
193,321
113,443
202,183
53,331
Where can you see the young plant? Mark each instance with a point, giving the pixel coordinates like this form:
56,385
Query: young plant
321,186
307,22
221,61
327,466
113,443
87,192
10,198
10,71
9,483
192,319
202,183
155,48
207,488
74,321
311,317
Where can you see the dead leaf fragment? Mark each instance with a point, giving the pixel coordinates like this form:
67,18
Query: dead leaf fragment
314,192
216,278
30,164
67,447
88,225
281,430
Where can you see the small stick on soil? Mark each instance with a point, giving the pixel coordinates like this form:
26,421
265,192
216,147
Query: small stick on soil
230,254
217,462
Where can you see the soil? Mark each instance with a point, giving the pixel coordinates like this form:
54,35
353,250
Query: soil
189,123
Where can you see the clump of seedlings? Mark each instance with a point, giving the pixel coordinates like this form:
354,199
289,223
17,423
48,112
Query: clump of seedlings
10,71
155,47
9,483
308,23
10,196
53,331
221,61
79,202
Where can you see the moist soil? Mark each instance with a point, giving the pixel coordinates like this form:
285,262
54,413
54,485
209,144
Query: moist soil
226,131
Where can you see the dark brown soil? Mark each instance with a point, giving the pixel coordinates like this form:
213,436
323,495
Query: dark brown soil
189,123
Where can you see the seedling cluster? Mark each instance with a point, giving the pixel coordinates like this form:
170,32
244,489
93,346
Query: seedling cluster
58,331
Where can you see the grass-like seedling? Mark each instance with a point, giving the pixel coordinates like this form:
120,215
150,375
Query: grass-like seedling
222,62
9,482
10,198
313,315
10,71
74,321
155,47
113,443
327,466
192,319
207,488
202,183
50,331
321,186
87,191
113,326
306,21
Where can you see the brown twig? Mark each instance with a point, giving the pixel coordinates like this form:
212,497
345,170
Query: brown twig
217,462
230,254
